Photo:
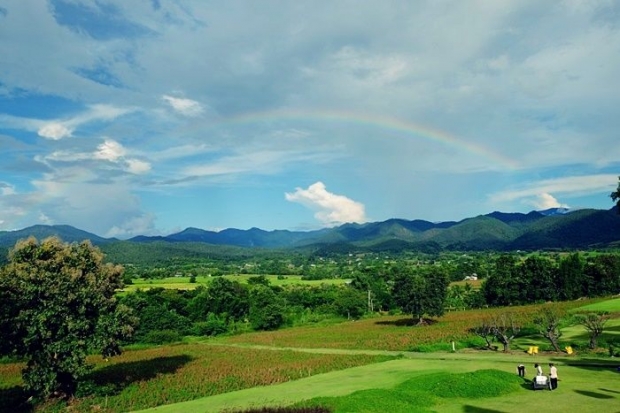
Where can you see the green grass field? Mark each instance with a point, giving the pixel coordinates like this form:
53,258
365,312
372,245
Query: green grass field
360,366
182,283
394,386
611,306
587,384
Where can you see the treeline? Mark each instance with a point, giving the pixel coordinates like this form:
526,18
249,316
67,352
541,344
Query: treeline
417,289
228,306
557,278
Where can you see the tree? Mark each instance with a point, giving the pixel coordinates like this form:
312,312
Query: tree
58,305
266,309
421,294
594,324
351,303
501,287
548,325
485,330
505,328
570,277
615,196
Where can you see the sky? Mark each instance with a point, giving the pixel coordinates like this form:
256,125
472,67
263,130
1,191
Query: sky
146,117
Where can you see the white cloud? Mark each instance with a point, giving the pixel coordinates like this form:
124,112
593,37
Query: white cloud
137,225
54,131
568,186
546,201
331,209
45,219
186,107
110,150
136,166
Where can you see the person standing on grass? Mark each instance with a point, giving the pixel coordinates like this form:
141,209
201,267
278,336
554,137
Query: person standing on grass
538,369
553,376
521,370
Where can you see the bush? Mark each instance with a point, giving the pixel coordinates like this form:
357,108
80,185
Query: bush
212,327
162,337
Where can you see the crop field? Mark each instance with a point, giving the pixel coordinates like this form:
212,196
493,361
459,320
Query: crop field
183,283
170,374
435,382
361,366
393,333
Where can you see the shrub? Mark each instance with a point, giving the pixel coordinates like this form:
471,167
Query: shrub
212,327
162,337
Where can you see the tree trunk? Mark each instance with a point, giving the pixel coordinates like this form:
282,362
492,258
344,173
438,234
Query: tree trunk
554,343
593,342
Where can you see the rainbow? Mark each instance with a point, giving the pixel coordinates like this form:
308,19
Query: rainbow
377,121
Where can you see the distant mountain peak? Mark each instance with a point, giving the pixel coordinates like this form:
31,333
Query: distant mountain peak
554,211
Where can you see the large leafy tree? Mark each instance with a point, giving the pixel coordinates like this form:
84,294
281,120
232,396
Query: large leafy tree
58,305
421,293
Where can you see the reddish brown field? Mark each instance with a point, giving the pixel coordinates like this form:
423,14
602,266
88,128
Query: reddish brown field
146,378
395,333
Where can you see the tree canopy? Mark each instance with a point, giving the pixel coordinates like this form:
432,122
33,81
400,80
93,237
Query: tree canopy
58,305
422,293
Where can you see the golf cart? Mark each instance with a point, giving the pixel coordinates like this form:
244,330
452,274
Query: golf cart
541,383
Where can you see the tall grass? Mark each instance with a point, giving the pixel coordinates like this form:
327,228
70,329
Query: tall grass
170,374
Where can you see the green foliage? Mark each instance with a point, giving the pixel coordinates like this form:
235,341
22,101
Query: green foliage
213,326
59,305
266,309
539,279
421,294
162,337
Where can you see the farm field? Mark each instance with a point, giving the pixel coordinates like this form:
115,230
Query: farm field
375,388
393,333
162,375
352,366
183,283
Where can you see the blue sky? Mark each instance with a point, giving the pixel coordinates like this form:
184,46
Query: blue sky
147,117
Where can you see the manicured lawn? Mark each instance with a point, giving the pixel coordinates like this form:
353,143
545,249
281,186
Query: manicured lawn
592,386
612,306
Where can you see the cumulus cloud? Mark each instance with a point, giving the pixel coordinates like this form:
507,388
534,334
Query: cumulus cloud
137,225
110,151
54,131
546,201
186,107
331,209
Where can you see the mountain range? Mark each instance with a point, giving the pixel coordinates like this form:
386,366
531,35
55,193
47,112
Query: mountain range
556,228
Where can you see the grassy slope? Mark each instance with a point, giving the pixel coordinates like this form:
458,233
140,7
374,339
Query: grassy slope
592,389
585,385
